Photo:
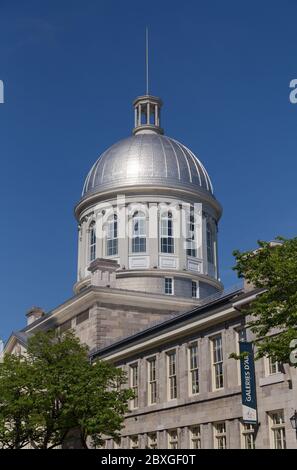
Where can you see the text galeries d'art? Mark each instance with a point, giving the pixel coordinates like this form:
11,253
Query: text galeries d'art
248,383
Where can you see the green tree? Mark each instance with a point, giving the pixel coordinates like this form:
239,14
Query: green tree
15,403
272,316
64,393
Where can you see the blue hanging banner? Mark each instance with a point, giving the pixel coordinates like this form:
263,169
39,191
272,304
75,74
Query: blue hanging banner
248,383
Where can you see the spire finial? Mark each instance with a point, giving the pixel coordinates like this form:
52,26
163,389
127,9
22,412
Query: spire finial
147,60
147,108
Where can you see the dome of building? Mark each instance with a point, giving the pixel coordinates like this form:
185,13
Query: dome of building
148,159
148,205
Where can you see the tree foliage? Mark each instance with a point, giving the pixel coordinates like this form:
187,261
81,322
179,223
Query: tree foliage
15,403
272,269
54,390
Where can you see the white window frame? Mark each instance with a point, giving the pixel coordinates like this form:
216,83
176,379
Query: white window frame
166,240
172,285
210,243
134,384
112,229
270,364
92,242
274,428
217,364
192,371
171,374
139,235
197,289
152,382
172,438
219,434
195,437
192,239
247,431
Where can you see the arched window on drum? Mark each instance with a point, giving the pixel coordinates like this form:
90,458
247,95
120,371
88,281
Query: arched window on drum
138,233
210,243
92,241
167,234
192,234
112,236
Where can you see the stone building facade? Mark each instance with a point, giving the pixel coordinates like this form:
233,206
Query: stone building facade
149,299
193,399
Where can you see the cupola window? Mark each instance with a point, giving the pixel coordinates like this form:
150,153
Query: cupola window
92,243
112,236
191,235
138,233
167,236
209,241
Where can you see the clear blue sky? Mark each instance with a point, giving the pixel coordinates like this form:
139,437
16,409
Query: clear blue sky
71,70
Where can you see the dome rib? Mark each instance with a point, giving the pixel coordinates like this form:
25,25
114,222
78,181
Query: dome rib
165,159
174,152
185,157
147,160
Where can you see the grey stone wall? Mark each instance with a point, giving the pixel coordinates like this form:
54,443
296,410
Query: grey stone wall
109,323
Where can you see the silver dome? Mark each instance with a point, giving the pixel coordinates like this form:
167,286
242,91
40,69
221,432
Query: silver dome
150,160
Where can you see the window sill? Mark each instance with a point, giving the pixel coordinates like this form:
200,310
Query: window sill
272,379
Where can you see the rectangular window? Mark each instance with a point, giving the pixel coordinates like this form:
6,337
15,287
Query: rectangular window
193,369
65,326
272,366
139,234
152,381
168,286
210,244
134,384
112,237
167,245
191,235
93,241
152,441
167,240
81,317
278,431
217,362
171,374
195,289
220,435
138,245
134,442
172,439
248,436
112,247
92,252
195,437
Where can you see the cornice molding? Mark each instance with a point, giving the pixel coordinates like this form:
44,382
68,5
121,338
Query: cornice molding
141,191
